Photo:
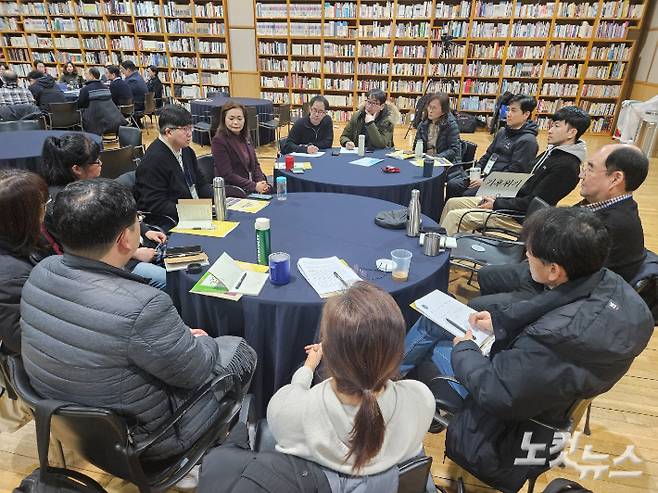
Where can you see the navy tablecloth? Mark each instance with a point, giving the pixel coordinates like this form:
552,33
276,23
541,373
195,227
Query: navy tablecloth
22,148
335,174
202,111
283,319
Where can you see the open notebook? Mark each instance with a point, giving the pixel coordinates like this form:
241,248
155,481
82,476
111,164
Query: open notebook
328,276
452,315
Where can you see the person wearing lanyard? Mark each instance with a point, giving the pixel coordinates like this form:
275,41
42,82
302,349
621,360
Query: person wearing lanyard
169,170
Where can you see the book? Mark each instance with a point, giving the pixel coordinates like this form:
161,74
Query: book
452,315
194,214
173,264
209,285
401,155
237,279
245,205
328,276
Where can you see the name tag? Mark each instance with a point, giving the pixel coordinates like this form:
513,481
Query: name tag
193,192
490,164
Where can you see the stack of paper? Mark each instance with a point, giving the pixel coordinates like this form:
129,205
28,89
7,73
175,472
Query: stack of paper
219,229
245,205
366,161
438,161
402,155
328,276
306,154
451,315
194,213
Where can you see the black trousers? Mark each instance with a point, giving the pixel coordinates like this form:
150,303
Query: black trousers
504,284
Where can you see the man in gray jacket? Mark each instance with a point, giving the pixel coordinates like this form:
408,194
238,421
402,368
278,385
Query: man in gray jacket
95,334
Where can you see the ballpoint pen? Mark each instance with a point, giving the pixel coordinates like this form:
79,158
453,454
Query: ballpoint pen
341,280
237,286
456,325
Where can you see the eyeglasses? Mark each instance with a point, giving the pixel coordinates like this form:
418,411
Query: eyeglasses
373,103
98,162
318,112
140,216
187,129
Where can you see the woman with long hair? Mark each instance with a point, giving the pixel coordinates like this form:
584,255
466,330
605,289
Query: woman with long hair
234,155
361,420
439,130
71,76
74,157
23,197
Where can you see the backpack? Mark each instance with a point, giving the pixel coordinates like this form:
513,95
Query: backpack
561,485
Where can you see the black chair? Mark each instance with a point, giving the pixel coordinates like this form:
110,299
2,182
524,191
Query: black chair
413,472
468,153
536,204
131,136
149,107
117,162
64,116
104,439
252,121
127,109
20,125
206,167
280,118
572,418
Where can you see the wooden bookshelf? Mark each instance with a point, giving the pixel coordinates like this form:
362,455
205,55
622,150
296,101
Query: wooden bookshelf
560,52
186,39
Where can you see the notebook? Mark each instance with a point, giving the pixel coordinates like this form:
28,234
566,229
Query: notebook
328,276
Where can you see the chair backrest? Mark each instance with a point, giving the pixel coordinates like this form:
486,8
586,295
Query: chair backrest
306,107
536,204
97,434
127,110
117,162
206,167
20,125
468,152
413,474
149,103
284,114
252,121
576,413
130,136
128,180
64,115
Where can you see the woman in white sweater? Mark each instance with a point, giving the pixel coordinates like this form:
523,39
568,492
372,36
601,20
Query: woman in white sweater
359,421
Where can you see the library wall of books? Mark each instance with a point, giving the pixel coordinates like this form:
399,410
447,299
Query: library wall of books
562,53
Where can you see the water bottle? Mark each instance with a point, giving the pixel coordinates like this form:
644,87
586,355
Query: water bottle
413,214
263,245
418,151
219,196
362,145
281,188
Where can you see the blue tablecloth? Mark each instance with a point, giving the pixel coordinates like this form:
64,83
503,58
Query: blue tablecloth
22,148
283,319
202,110
335,174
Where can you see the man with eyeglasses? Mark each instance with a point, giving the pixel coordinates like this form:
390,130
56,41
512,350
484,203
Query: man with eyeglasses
169,170
376,120
312,132
608,179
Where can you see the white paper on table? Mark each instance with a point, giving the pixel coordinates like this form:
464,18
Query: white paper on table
305,154
325,274
366,161
194,213
343,150
229,273
439,307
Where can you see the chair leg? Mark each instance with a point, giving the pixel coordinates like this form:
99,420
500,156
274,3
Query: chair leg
587,429
531,485
57,452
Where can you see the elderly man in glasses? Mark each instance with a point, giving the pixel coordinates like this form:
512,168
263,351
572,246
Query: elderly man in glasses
376,120
313,132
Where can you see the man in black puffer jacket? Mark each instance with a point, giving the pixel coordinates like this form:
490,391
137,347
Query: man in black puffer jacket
513,149
312,132
570,342
45,90
98,335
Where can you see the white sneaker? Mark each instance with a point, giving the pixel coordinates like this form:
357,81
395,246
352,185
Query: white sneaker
190,481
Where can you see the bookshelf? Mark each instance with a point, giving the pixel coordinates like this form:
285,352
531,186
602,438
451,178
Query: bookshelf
186,39
562,53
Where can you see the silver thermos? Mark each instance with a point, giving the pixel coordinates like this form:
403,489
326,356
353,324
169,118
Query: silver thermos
413,214
219,195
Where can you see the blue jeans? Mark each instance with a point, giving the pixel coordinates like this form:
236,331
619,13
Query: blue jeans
156,274
426,337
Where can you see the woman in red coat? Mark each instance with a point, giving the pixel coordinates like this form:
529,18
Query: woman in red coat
234,156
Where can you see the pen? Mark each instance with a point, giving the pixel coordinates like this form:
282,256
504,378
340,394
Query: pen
341,280
454,324
237,286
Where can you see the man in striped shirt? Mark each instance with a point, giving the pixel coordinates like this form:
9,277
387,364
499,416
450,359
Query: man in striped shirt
10,93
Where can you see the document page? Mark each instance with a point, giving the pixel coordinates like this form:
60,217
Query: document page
194,214
328,276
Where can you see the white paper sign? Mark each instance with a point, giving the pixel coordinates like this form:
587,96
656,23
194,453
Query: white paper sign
502,184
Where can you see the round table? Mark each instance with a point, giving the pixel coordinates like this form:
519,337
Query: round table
24,150
335,174
202,110
283,319
72,95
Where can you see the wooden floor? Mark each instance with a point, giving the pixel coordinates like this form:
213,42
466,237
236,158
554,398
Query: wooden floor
625,416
